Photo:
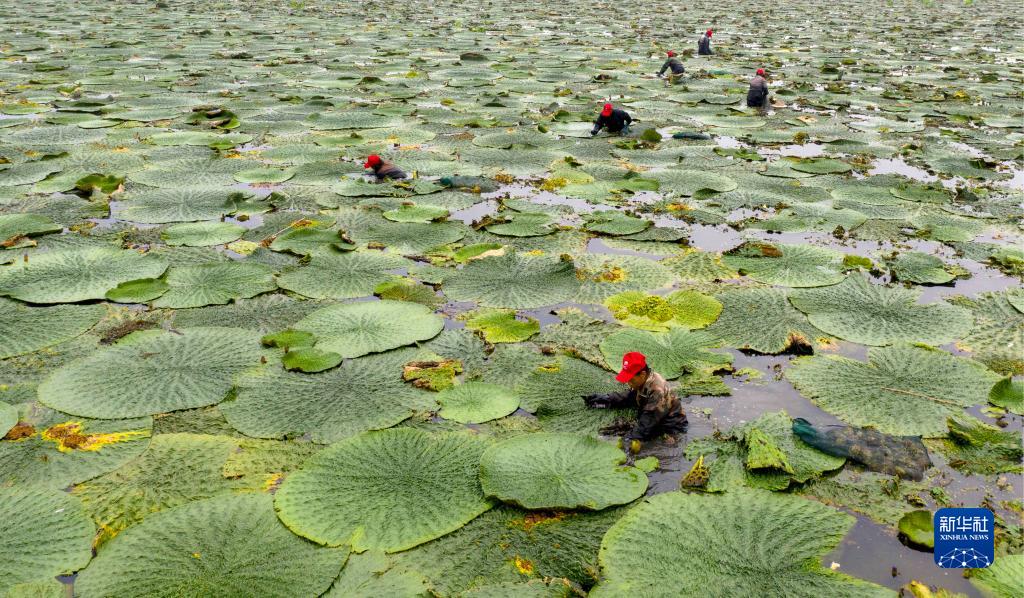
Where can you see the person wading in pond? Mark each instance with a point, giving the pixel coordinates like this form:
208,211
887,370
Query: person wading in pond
757,95
383,169
613,119
704,44
672,63
658,410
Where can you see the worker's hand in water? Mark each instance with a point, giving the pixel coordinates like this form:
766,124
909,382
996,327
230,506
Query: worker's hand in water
632,447
597,401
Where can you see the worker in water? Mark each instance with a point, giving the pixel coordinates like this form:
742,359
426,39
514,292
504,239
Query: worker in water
613,119
757,95
672,63
383,169
658,410
704,44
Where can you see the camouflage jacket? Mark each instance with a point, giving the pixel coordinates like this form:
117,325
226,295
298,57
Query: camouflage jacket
388,170
658,409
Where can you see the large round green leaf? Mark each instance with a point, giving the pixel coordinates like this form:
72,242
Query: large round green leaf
229,545
554,392
25,329
764,321
153,371
43,533
175,469
1004,578
605,275
508,544
476,402
388,490
679,309
559,471
372,574
859,311
56,450
13,226
215,284
514,280
360,395
997,334
787,265
178,204
902,389
741,543
669,353
342,275
75,274
202,234
354,329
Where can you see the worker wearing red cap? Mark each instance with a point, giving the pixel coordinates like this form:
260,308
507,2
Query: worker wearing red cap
757,95
658,409
613,119
383,169
704,44
672,63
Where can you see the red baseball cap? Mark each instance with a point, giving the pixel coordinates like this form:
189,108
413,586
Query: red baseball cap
708,33
760,72
632,363
372,161
671,53
607,110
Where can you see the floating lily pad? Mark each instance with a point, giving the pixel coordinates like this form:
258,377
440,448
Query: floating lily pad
476,402
341,275
787,265
359,395
859,311
763,320
515,281
55,450
559,471
1008,394
669,353
615,223
75,274
501,325
208,546
24,329
639,554
903,389
679,309
202,234
152,371
15,227
1003,578
523,224
916,527
43,533
142,290
214,284
354,329
389,490
416,213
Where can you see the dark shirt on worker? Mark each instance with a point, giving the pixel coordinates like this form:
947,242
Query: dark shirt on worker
757,95
614,122
658,409
388,170
674,64
704,46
